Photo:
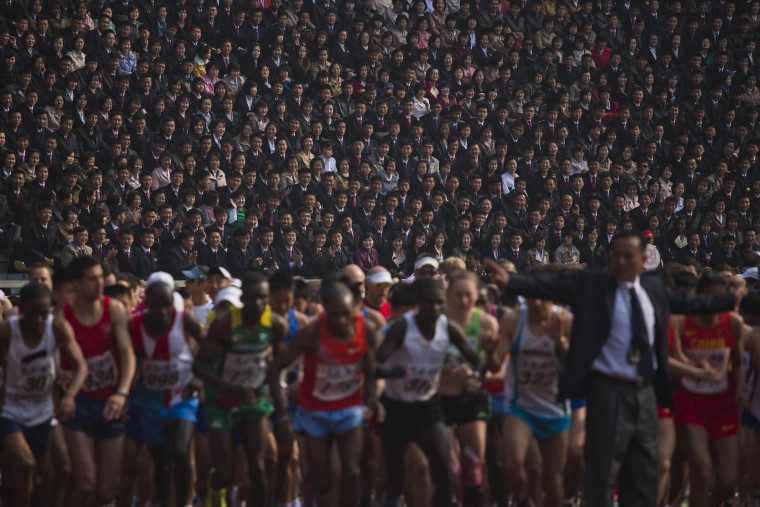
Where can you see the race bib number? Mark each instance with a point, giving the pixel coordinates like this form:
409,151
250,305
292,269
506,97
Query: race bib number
537,371
37,377
336,382
718,361
246,370
421,382
101,372
162,375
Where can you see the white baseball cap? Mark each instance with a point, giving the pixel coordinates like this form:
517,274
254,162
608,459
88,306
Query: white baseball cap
160,277
426,261
231,295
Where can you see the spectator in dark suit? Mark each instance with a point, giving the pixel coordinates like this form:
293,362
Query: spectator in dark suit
126,258
515,253
181,257
693,250
147,255
339,254
17,197
726,254
116,226
101,247
363,217
351,232
240,255
640,215
289,257
317,261
213,254
40,240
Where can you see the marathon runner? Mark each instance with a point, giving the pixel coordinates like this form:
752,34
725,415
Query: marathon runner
466,404
28,344
164,341
708,410
233,362
96,430
338,362
412,357
536,338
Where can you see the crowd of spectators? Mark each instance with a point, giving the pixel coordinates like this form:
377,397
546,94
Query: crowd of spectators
302,136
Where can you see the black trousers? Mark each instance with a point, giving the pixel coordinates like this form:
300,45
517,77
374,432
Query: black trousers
621,444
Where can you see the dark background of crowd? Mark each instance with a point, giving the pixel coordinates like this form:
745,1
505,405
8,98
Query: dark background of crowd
305,136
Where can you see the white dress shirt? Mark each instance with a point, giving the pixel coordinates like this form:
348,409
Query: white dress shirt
613,358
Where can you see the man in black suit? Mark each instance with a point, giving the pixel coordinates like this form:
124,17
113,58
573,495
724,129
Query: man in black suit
126,259
17,197
617,360
514,252
693,250
212,254
181,257
101,247
364,216
241,256
351,232
288,257
640,214
318,262
147,255
40,239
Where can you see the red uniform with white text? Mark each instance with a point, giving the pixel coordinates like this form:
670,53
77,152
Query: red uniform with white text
333,376
100,352
703,402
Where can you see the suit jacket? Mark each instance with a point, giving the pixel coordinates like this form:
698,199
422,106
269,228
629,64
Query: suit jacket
592,295
240,260
639,220
364,221
348,241
127,265
700,256
283,260
317,265
111,233
101,252
343,257
523,259
174,262
146,264
70,252
46,241
206,257
18,208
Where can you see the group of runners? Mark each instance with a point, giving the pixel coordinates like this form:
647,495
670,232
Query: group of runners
365,393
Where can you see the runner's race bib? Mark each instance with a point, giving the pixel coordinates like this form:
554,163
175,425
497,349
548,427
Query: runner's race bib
337,382
101,372
718,360
37,377
422,383
246,370
537,371
160,375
